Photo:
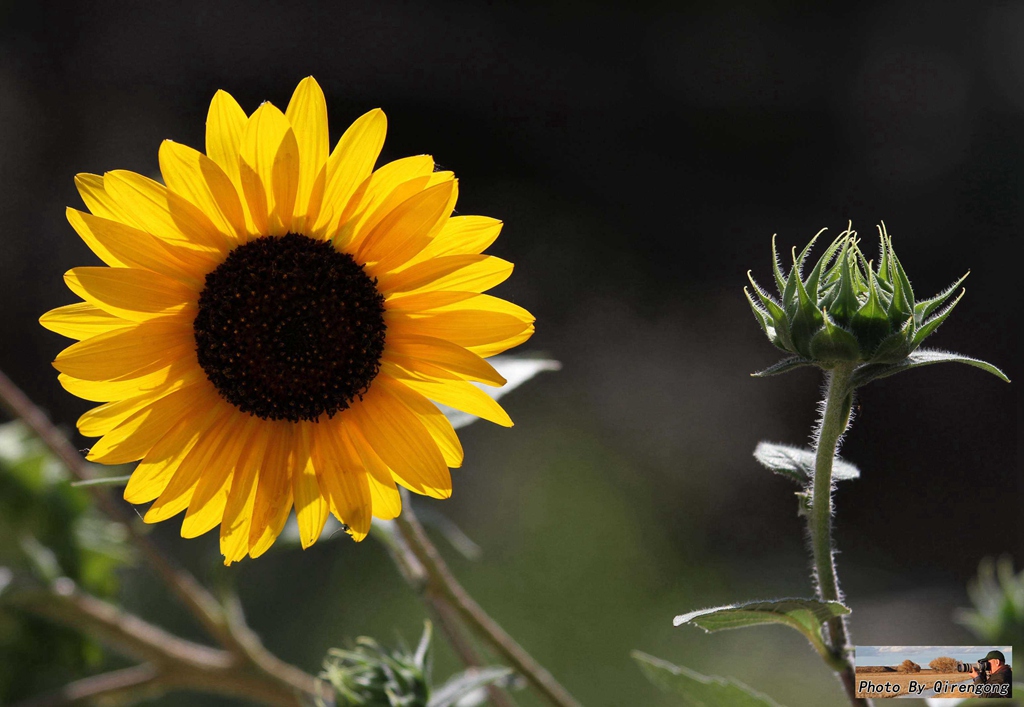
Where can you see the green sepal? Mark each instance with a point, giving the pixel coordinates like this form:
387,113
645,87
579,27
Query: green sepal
784,366
922,357
807,616
775,311
897,345
805,320
780,279
696,690
762,317
903,293
923,310
929,327
871,322
846,303
789,301
814,278
833,343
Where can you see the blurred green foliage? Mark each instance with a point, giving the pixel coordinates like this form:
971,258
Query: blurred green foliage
998,597
48,529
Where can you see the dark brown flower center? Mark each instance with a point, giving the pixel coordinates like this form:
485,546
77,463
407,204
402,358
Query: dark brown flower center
289,328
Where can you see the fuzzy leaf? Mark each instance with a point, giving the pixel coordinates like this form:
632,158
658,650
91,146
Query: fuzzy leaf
807,616
784,366
464,685
797,463
922,357
698,690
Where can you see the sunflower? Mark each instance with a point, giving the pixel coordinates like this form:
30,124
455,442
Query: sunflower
275,323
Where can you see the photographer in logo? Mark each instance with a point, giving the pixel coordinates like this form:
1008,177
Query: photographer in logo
993,670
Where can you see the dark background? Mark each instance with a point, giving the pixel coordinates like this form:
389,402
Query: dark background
641,159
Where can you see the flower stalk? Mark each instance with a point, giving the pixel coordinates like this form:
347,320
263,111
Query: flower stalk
835,419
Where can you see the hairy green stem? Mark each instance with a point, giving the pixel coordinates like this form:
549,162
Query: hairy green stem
835,417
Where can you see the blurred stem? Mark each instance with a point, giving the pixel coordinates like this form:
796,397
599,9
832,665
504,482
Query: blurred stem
835,418
416,576
168,661
441,580
187,588
272,677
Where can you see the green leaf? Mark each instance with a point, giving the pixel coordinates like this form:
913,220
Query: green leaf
805,615
698,690
784,366
922,357
516,370
797,463
462,688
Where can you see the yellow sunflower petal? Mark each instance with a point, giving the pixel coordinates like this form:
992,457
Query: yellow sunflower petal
426,300
156,210
119,245
465,273
496,347
81,321
349,165
406,230
176,496
135,437
274,485
204,183
307,114
160,463
225,124
98,201
311,508
102,391
234,528
467,328
342,477
434,383
274,527
384,496
102,419
435,421
131,293
377,196
449,356
269,167
401,440
206,508
462,235
129,352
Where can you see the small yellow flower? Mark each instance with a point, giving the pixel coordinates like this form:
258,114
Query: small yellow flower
274,323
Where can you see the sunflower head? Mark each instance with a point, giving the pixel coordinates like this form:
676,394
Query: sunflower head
846,308
275,324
